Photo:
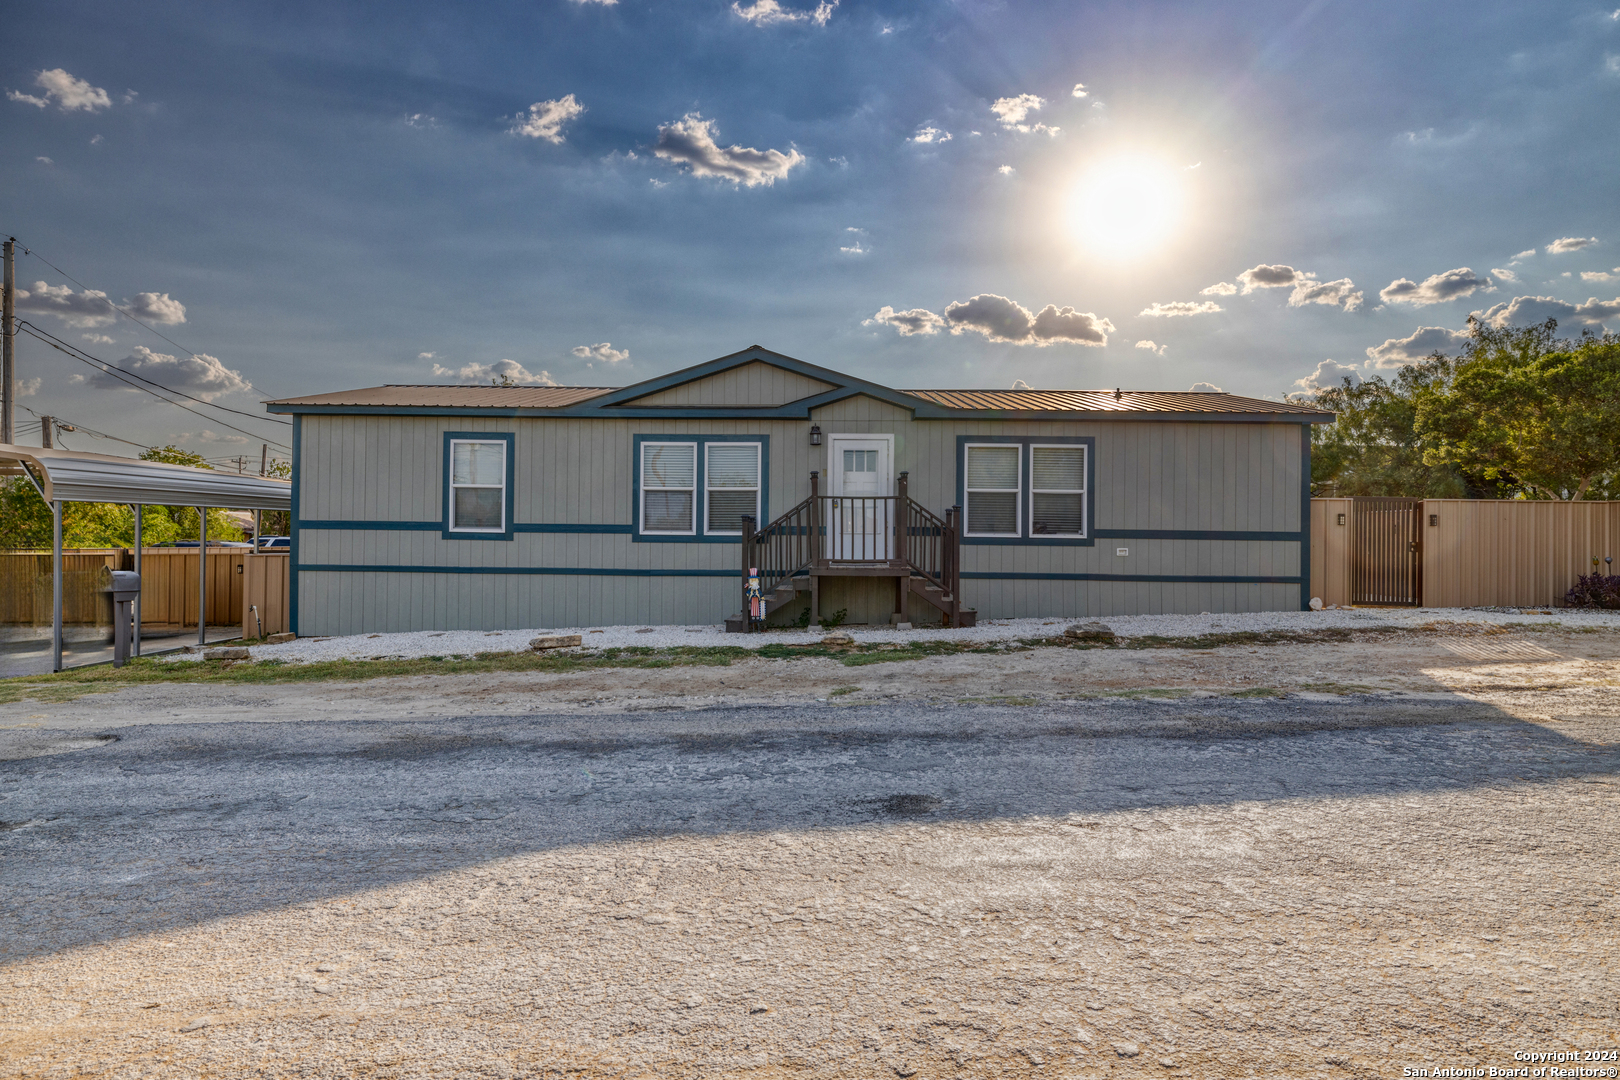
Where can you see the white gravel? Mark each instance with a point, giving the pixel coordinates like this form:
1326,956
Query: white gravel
462,643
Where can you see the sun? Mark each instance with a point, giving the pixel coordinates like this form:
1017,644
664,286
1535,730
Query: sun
1128,206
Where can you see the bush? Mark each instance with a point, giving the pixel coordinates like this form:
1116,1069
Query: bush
1595,590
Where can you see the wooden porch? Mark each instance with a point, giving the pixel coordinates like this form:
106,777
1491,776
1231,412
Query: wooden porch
868,536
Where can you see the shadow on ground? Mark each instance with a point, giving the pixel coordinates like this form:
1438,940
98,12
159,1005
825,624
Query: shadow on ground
166,827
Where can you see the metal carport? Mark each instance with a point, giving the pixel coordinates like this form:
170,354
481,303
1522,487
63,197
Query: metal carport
71,476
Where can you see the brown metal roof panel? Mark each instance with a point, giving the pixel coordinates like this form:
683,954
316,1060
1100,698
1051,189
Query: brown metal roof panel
472,397
1105,401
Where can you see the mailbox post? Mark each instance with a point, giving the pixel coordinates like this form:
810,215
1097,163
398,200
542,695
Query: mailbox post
125,589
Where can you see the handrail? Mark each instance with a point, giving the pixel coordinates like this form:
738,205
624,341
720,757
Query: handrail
881,530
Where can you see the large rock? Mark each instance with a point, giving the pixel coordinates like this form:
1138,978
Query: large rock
234,653
555,641
280,639
838,637
1090,631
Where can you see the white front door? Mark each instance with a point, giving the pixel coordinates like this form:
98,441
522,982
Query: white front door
860,520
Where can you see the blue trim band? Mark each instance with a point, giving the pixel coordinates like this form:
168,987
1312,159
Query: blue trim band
434,526
1197,579
1195,534
581,571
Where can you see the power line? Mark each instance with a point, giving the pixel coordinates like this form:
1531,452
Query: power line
37,332
92,432
120,373
29,251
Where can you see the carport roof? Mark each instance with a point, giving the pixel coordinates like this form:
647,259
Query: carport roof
73,476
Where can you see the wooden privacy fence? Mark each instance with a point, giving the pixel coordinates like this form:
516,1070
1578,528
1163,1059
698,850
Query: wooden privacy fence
168,586
1470,552
264,594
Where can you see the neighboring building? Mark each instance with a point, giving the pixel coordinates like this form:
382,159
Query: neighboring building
457,507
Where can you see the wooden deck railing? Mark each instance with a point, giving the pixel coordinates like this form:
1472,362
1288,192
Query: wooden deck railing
860,533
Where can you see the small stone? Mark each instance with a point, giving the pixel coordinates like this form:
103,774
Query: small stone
280,639
902,626
555,641
323,967
1203,694
226,654
323,988
838,637
1168,1063
1127,1049
199,1023
645,630
1316,603
1089,631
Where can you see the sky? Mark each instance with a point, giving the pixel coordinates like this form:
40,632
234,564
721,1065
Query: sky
1260,197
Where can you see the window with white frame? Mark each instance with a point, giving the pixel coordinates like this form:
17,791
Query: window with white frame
731,486
668,488
993,476
477,486
1057,490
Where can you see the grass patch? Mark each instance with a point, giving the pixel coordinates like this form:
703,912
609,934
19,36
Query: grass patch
1336,688
1259,692
842,690
1005,699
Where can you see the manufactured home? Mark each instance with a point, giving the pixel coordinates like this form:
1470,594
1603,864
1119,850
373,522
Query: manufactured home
503,507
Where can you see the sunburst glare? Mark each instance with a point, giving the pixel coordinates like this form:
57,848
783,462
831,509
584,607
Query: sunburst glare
1128,206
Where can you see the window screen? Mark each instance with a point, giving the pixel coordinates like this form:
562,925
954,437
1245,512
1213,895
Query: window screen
992,490
1057,490
731,477
668,487
477,486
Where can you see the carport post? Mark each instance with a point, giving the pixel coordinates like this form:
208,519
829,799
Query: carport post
56,585
202,575
135,645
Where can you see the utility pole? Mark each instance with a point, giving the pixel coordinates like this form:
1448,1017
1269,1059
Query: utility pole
8,372
264,455
240,463
47,432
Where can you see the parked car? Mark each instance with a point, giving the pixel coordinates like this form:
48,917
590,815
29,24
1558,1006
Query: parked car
275,543
211,543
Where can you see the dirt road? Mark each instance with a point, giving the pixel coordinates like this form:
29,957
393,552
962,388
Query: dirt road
740,871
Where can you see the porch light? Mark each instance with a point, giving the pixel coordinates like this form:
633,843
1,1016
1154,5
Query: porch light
815,434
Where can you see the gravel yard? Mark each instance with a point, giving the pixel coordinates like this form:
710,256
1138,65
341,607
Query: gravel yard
1055,862
472,642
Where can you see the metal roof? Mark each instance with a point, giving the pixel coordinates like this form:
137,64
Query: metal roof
72,476
1129,401
470,397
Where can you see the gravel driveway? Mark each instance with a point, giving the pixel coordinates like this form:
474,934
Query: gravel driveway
1271,887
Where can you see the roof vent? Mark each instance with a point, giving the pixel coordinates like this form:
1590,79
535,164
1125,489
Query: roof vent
1117,393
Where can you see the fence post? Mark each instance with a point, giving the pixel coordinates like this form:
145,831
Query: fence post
902,506
816,552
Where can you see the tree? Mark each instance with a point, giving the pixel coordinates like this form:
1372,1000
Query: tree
1526,409
184,518
1373,447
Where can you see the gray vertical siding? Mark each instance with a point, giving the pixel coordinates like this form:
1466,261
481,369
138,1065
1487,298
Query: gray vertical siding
1167,477
750,384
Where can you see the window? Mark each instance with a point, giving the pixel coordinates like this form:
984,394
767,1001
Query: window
668,487
992,489
477,486
1057,486
860,461
731,480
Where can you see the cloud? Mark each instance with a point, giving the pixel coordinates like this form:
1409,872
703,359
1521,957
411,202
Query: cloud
1267,276
426,355
156,307
201,376
92,308
1152,347
213,436
545,119
1423,343
1181,307
68,93
1020,384
690,141
1220,288
498,372
97,339
770,12
26,387
1005,170
424,121
604,3
43,160
1053,324
1436,288
1204,388
930,135
1340,293
84,309
856,249
1600,275
1523,310
1525,254
1565,244
916,321
601,351
1505,275
1079,90
1328,373
1013,111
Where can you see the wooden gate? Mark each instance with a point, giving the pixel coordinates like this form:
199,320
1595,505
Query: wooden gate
1388,552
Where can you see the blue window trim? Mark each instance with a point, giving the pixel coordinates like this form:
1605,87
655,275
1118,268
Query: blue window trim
698,508
510,440
1024,537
